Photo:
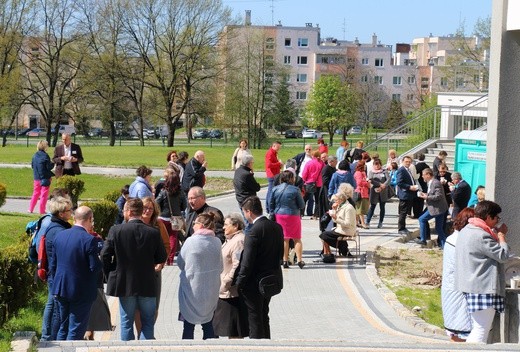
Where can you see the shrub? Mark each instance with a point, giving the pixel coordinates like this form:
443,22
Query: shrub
105,213
112,196
73,185
3,194
17,279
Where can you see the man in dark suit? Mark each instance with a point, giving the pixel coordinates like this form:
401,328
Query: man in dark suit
418,202
406,192
263,251
67,157
245,184
436,207
460,193
131,255
76,264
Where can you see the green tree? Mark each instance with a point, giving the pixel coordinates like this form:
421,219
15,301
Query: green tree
395,115
283,111
331,104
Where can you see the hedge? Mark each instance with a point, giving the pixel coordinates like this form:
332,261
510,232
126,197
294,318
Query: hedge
105,213
3,194
17,280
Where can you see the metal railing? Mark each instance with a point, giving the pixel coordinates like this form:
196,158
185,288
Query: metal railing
425,127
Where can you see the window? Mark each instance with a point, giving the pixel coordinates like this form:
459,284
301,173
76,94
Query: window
459,82
364,61
287,60
396,80
303,42
324,60
476,79
425,82
409,97
444,81
269,60
302,60
287,41
364,78
287,78
269,44
411,80
379,63
301,95
396,97
378,79
301,78
269,77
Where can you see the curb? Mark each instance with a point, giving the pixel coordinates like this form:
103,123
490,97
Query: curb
24,341
391,298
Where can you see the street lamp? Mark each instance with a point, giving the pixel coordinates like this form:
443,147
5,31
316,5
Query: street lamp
431,63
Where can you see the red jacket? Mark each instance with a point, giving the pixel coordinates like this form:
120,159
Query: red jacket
272,164
363,187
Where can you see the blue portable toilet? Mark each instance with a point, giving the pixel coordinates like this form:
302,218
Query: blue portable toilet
470,157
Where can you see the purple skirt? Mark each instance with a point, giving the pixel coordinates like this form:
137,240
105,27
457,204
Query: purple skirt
291,224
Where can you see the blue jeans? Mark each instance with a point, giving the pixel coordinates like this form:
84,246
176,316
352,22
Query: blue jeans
270,185
189,330
74,317
439,227
127,307
51,317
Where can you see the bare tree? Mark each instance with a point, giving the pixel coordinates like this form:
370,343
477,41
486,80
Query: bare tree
174,39
51,62
373,103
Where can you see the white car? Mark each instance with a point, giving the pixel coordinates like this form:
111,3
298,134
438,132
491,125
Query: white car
311,134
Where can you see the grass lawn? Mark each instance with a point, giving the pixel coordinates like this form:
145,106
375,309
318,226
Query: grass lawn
13,227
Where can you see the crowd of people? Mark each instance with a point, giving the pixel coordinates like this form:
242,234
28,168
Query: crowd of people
231,266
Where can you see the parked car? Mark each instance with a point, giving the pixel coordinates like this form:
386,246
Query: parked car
200,133
65,129
355,130
23,132
312,134
97,132
215,133
37,132
293,134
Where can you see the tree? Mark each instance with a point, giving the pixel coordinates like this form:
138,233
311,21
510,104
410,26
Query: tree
373,101
395,115
51,61
174,39
283,111
468,67
331,104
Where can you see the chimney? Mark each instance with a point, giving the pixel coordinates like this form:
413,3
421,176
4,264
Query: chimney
374,39
248,18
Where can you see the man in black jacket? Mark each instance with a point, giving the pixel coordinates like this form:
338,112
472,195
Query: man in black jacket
460,193
194,172
131,255
197,205
263,251
245,184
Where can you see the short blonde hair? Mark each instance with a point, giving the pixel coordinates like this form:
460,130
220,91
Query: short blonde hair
481,194
346,189
42,145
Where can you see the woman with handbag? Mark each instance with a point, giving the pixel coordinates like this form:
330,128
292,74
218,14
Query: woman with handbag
42,166
380,191
172,203
361,193
286,203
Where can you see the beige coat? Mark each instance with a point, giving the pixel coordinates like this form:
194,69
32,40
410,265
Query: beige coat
345,220
231,251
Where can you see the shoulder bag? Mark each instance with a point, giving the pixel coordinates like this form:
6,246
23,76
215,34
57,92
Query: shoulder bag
177,222
269,286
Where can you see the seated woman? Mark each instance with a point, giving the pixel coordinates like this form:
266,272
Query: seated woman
344,215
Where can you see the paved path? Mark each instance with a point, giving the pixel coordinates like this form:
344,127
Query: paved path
324,307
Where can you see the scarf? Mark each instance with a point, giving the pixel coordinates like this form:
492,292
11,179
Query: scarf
482,224
205,232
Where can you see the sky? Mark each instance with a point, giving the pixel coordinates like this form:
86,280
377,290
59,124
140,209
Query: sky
393,21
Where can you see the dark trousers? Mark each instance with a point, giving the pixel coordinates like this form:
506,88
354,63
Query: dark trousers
418,207
73,318
381,212
312,201
404,206
189,330
258,314
69,172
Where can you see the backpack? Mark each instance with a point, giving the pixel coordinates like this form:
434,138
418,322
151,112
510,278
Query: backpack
43,267
33,229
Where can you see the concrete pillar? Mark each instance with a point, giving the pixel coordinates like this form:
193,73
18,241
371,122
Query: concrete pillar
503,156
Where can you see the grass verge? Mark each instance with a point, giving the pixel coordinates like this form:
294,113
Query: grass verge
415,278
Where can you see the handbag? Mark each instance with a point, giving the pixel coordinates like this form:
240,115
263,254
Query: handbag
176,222
310,187
356,196
269,286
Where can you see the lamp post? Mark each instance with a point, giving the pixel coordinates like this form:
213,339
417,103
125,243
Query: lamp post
431,63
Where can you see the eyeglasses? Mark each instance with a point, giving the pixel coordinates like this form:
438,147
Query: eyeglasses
148,208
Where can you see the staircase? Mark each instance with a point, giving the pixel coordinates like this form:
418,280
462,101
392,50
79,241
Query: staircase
433,151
